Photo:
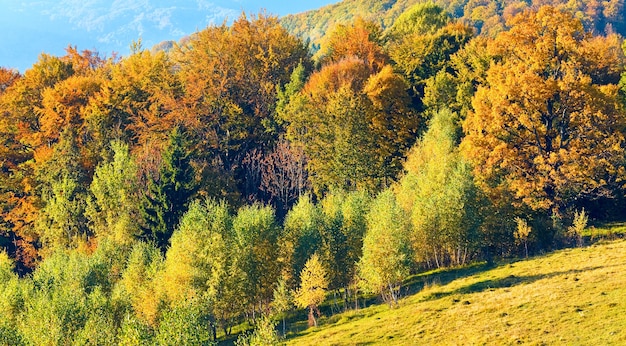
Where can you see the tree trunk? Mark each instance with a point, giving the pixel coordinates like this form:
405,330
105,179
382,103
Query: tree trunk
312,320
436,258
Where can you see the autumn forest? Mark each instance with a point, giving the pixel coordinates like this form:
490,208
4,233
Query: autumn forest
247,173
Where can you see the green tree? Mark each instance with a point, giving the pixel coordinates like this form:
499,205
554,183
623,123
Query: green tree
334,246
201,264
387,252
256,237
301,238
184,324
13,297
283,301
421,42
61,222
133,332
138,286
168,194
354,210
454,87
312,290
284,97
195,263
264,334
439,193
114,207
69,301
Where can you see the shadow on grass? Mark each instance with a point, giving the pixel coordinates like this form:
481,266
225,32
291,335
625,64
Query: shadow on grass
505,282
442,277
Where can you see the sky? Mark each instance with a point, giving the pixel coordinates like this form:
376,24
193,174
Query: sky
29,28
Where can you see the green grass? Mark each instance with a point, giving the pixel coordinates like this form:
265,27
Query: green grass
613,230
572,296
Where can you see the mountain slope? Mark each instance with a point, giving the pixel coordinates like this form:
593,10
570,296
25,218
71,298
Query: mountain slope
488,17
313,25
573,296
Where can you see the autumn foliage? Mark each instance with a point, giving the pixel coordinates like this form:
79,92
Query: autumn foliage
174,195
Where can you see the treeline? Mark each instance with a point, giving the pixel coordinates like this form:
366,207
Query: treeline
167,197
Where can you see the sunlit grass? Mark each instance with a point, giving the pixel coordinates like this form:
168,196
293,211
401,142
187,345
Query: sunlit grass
573,296
611,230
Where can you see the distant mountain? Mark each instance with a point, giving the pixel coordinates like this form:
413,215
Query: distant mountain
313,25
488,17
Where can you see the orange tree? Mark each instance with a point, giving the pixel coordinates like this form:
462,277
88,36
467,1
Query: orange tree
547,126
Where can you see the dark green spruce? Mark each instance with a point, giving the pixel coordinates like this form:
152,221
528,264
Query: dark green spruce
169,193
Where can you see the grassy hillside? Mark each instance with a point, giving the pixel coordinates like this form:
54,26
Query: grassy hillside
573,296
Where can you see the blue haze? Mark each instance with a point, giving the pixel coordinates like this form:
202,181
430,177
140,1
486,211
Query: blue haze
29,28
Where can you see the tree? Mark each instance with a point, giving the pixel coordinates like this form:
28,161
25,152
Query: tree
391,119
312,290
301,238
334,245
283,301
61,222
547,127
230,76
256,237
283,174
138,283
353,124
168,194
184,324
135,104
354,210
421,42
195,263
264,334
522,232
198,264
361,39
19,127
114,207
454,87
387,252
439,193
7,78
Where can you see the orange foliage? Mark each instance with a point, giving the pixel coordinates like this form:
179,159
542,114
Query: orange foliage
548,124
361,39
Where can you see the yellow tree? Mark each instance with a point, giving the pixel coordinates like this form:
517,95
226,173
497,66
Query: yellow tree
313,287
547,127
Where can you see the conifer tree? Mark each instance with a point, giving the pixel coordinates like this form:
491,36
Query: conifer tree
168,194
